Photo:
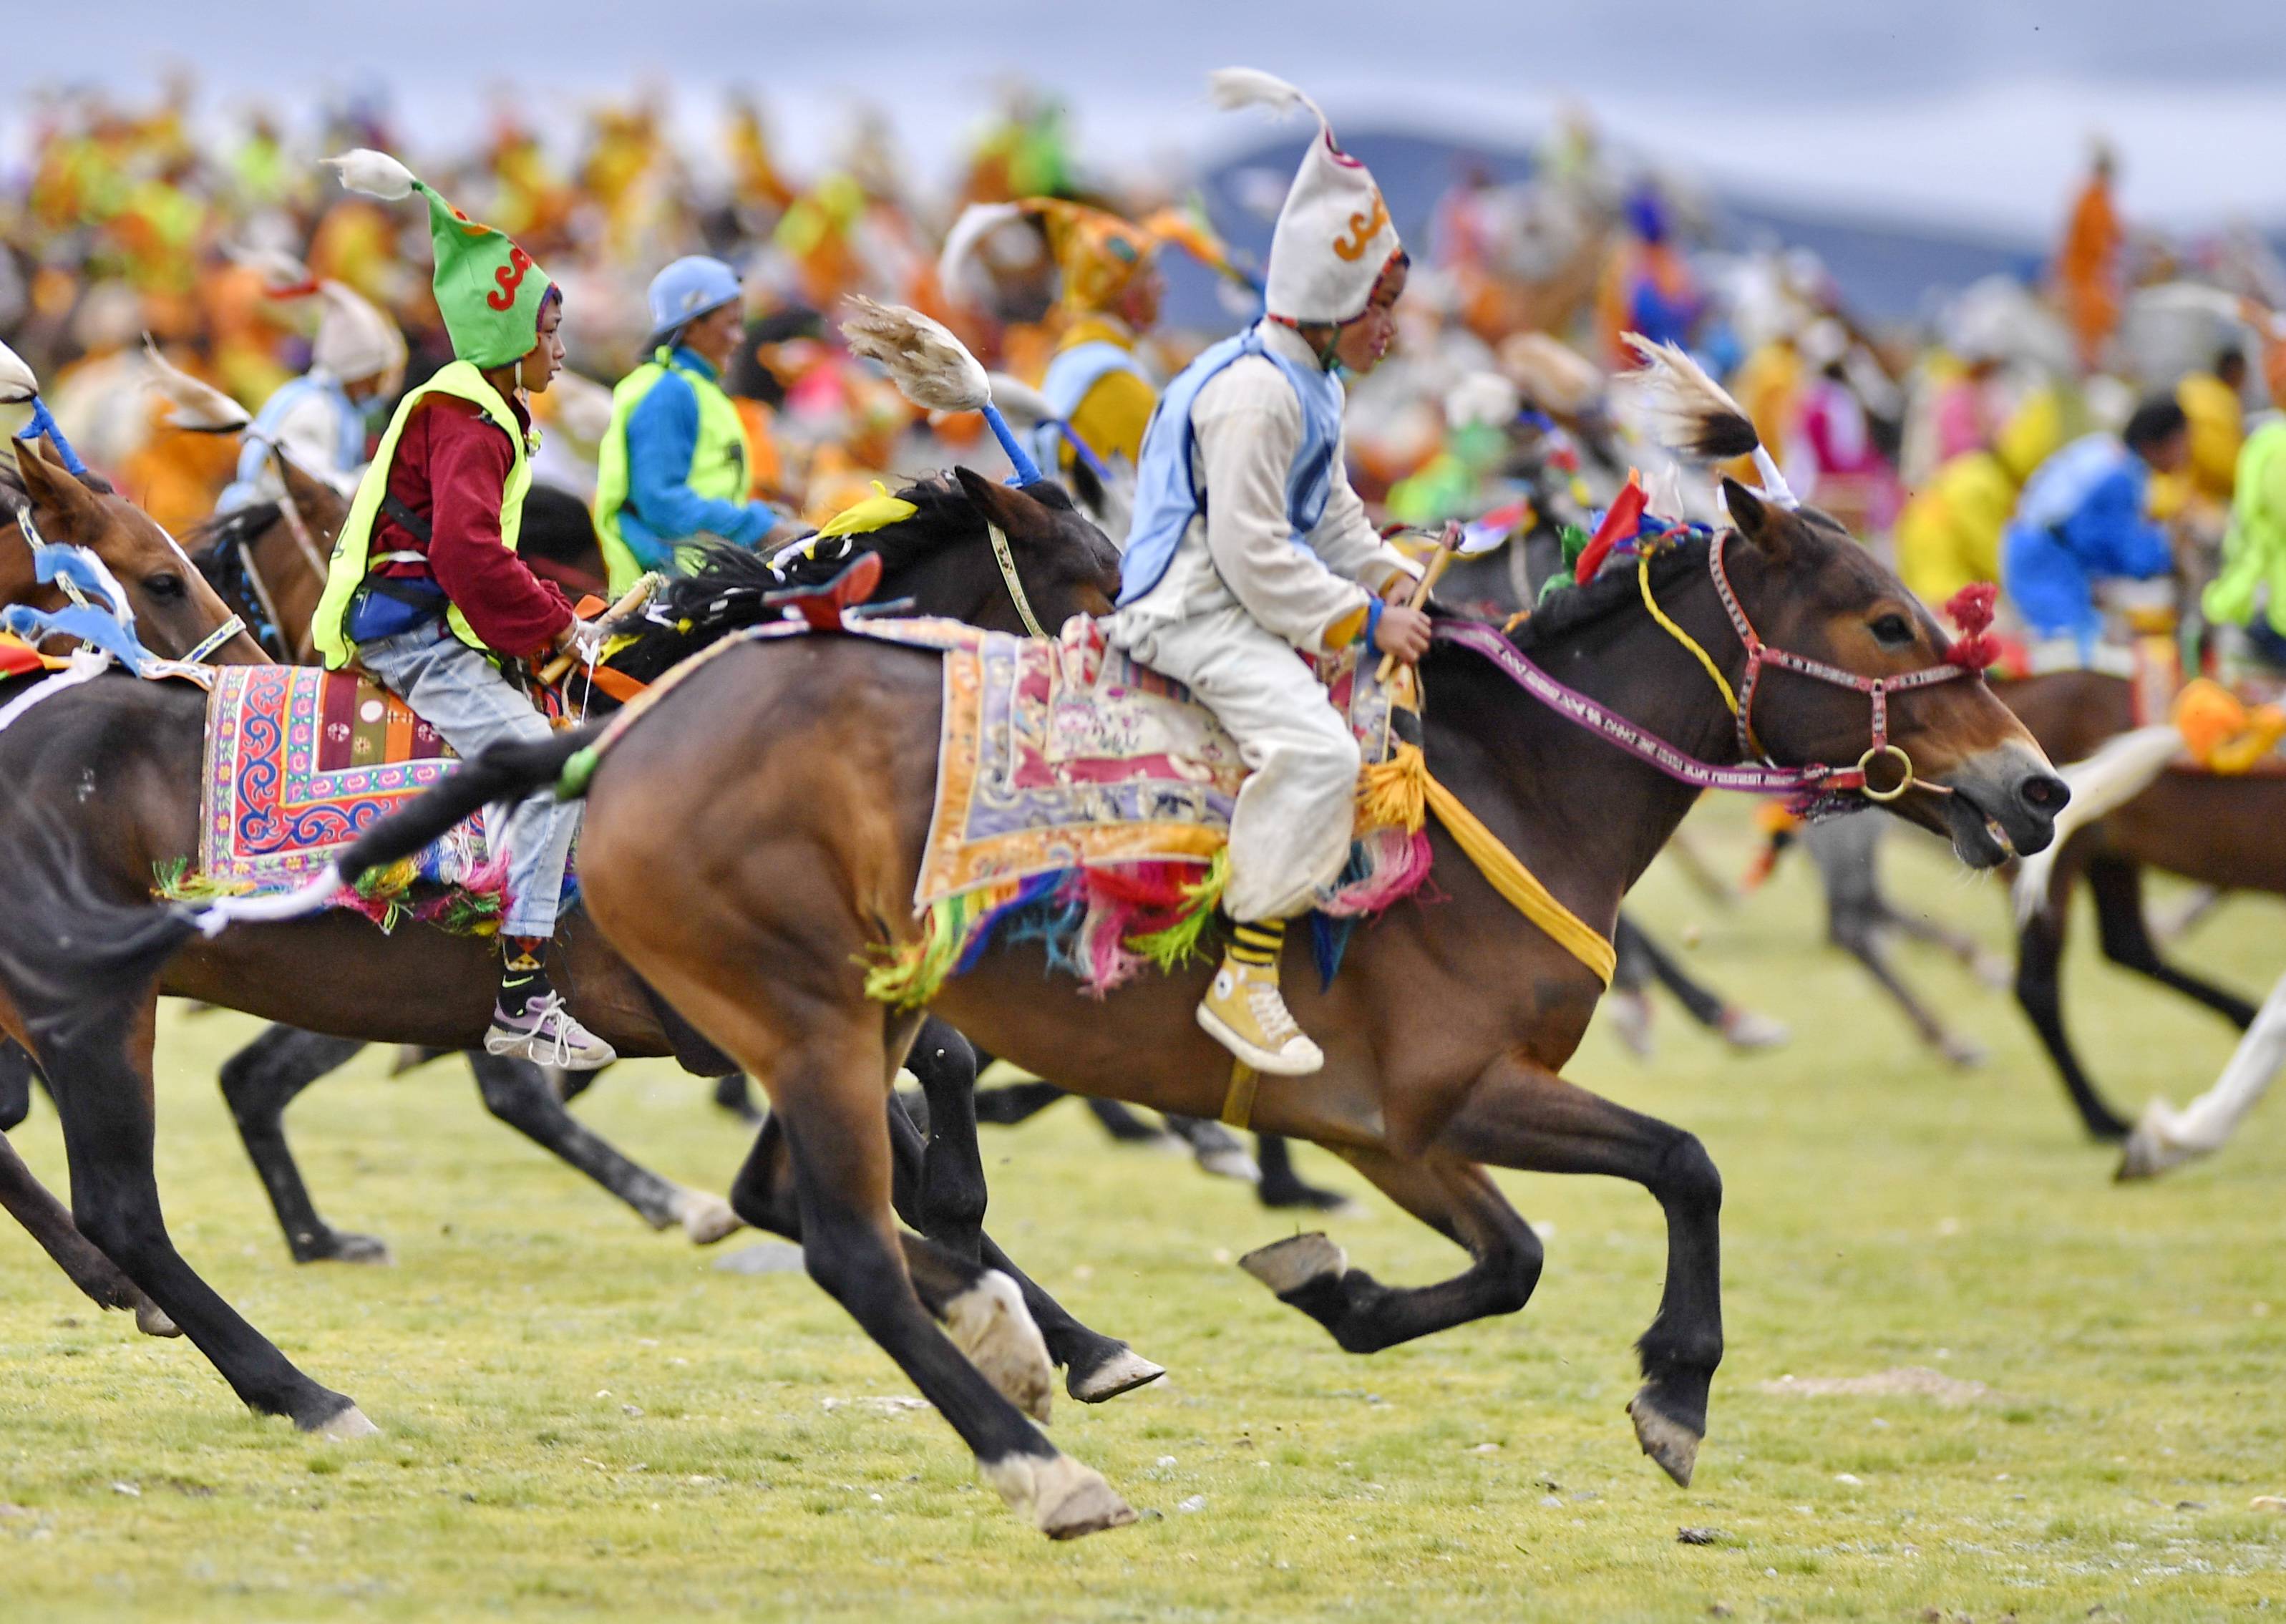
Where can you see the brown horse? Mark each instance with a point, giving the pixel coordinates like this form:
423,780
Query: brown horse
145,741
757,836
2218,831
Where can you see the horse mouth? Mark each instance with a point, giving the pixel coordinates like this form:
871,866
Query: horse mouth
1978,839
1985,834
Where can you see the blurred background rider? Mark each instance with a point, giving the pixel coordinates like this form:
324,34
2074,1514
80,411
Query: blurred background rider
674,467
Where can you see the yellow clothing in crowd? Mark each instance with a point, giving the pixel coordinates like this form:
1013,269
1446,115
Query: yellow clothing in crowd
1948,535
2217,429
1116,410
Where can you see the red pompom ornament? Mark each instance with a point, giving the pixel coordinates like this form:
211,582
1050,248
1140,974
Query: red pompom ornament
1970,609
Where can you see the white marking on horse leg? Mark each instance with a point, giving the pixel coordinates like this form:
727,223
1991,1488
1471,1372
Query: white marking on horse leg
348,1424
1290,1264
706,1218
989,1323
1122,1372
1057,1495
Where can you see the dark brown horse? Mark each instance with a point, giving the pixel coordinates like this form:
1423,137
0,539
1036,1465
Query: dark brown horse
144,743
758,834
175,612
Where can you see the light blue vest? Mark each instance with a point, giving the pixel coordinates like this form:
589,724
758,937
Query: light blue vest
1070,375
349,450
1167,498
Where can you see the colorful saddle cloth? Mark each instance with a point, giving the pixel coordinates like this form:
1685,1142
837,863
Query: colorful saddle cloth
299,763
1084,802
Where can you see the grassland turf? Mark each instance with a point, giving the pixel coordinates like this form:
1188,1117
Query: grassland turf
584,1420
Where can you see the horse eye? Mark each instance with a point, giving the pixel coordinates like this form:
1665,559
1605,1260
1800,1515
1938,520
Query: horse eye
165,587
1893,630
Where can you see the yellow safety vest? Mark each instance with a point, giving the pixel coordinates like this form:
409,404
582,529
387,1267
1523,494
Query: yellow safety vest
347,570
720,462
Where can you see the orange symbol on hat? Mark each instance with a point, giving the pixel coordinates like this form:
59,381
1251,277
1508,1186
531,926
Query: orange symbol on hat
1363,229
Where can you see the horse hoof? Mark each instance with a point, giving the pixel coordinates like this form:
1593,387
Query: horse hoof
989,1323
1672,1445
706,1218
1058,1495
1293,1195
1288,1265
151,1319
343,1425
1229,1161
1124,1372
1747,1030
2151,1150
360,1249
1965,1053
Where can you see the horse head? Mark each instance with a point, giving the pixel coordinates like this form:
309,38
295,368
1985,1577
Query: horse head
1938,747
1064,563
176,609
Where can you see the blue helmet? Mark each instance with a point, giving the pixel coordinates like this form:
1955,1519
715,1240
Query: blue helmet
688,289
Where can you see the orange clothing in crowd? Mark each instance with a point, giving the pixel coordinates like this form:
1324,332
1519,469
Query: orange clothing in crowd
2087,269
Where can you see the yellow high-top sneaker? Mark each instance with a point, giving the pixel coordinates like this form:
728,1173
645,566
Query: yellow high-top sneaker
1244,1012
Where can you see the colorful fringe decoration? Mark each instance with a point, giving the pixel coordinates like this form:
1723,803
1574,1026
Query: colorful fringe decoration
388,897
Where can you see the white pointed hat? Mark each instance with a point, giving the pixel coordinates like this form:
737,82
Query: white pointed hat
355,340
1334,236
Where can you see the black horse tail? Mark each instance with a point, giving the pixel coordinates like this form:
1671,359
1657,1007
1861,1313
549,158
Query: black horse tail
505,772
75,961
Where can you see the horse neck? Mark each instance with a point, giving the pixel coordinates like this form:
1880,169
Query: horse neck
18,582
292,586
956,579
1588,815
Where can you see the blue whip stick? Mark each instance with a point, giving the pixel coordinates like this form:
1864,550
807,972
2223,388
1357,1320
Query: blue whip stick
1028,472
1084,451
43,426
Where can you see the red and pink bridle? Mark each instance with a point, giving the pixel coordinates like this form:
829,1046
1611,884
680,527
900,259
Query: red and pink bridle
1758,776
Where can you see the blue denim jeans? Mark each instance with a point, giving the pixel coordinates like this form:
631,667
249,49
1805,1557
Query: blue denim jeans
462,695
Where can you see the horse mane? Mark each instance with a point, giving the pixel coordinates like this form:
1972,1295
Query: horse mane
725,593
222,530
1575,608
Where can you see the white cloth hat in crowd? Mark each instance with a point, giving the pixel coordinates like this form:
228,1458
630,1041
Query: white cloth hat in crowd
1334,236
354,339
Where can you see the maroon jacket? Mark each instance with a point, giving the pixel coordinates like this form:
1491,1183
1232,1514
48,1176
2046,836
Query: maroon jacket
449,467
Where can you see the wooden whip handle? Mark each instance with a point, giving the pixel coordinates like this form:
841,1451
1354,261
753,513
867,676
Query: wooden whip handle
1421,590
633,599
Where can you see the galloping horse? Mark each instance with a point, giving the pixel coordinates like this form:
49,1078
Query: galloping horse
143,742
176,613
757,835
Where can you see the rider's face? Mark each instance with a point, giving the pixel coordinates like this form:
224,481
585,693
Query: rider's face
539,368
1359,345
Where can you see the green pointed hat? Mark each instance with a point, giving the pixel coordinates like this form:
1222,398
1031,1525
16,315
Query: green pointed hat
488,289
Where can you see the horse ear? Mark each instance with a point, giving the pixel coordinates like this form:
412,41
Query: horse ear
1004,505
1756,520
52,490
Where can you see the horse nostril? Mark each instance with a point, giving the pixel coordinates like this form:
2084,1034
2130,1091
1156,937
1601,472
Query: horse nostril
2044,793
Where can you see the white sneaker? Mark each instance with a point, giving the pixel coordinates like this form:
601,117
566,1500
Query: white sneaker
545,1033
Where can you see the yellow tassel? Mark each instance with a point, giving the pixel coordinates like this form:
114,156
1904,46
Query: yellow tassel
878,511
1391,794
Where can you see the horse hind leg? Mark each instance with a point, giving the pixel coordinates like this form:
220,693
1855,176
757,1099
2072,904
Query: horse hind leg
102,1083
259,1082
940,1189
518,1093
829,1140
49,1222
1523,1116
15,1084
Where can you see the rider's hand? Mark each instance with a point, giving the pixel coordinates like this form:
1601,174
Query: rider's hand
1398,587
580,640
1403,632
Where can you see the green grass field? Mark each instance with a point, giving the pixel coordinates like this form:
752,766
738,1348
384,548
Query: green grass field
583,1419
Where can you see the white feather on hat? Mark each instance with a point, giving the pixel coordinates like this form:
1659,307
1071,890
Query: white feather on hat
19,384
375,174
977,221
1334,235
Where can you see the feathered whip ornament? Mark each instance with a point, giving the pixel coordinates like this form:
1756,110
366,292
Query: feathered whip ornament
977,221
19,386
375,174
931,368
1692,413
195,406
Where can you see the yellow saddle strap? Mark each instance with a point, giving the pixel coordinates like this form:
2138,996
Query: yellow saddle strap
1520,885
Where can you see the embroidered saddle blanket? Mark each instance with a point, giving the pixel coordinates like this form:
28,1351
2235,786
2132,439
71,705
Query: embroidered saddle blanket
1065,754
299,763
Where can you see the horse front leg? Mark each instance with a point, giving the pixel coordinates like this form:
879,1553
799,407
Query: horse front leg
1521,1116
1454,1197
49,1222
2039,992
